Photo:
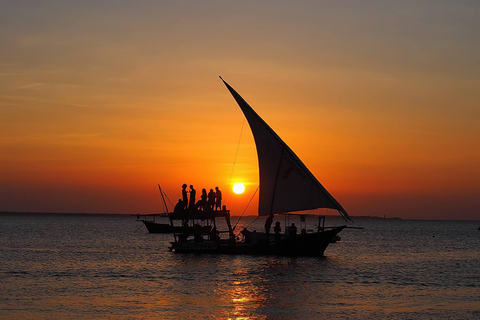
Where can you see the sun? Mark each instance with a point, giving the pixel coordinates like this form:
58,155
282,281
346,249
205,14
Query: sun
238,188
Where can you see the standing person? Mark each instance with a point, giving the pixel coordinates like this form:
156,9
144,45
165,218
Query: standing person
192,197
292,230
268,223
218,195
204,199
211,200
277,229
184,196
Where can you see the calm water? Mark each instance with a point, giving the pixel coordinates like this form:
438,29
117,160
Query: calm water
104,266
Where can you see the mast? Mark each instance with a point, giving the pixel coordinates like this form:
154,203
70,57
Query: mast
164,202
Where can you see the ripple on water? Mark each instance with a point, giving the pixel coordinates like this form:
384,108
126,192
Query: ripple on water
98,267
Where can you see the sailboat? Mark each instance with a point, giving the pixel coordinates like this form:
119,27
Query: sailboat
286,186
149,220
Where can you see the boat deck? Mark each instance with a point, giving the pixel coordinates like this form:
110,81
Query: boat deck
194,215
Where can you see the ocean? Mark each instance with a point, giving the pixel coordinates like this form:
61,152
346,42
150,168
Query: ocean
99,266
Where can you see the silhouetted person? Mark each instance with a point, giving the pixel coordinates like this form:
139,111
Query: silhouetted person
246,234
268,223
214,234
202,203
185,196
179,207
218,196
292,230
277,229
197,233
211,199
193,193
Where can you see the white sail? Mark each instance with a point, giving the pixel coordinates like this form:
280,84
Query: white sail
286,185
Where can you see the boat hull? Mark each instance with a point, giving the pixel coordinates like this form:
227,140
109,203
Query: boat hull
154,227
309,244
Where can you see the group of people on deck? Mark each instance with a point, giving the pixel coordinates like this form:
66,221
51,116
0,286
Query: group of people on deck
208,202
292,230
277,229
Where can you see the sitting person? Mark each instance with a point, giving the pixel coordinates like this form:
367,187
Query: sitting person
179,207
202,203
214,235
246,235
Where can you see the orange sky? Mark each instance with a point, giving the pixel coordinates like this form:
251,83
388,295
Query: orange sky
99,102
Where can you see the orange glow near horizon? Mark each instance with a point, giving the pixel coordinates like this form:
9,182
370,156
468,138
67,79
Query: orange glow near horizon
94,116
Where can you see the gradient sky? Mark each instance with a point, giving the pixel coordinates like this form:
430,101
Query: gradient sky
102,100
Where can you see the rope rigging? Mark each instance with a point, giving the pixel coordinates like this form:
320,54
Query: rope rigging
235,159
246,210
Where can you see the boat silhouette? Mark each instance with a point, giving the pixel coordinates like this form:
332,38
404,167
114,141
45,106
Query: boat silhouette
286,186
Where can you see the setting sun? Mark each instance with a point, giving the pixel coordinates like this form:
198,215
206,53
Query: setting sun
238,188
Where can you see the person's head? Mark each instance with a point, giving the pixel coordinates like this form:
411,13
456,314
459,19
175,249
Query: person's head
191,186
180,200
211,190
184,186
216,188
293,224
277,223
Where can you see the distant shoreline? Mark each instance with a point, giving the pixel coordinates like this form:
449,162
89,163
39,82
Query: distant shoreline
33,213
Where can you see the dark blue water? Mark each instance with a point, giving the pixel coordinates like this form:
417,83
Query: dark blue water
104,266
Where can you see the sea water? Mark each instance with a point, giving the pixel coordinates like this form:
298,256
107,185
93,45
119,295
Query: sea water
107,266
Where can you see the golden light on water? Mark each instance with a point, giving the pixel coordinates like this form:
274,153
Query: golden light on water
238,188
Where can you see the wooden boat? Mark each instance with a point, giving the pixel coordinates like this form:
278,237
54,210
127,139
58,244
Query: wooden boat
155,227
152,225
286,185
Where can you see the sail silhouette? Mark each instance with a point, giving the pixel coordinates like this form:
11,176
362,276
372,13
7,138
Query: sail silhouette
286,184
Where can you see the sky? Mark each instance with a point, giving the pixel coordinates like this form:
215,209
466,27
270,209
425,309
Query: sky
100,101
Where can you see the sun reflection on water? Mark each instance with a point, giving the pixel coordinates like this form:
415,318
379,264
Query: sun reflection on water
244,296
